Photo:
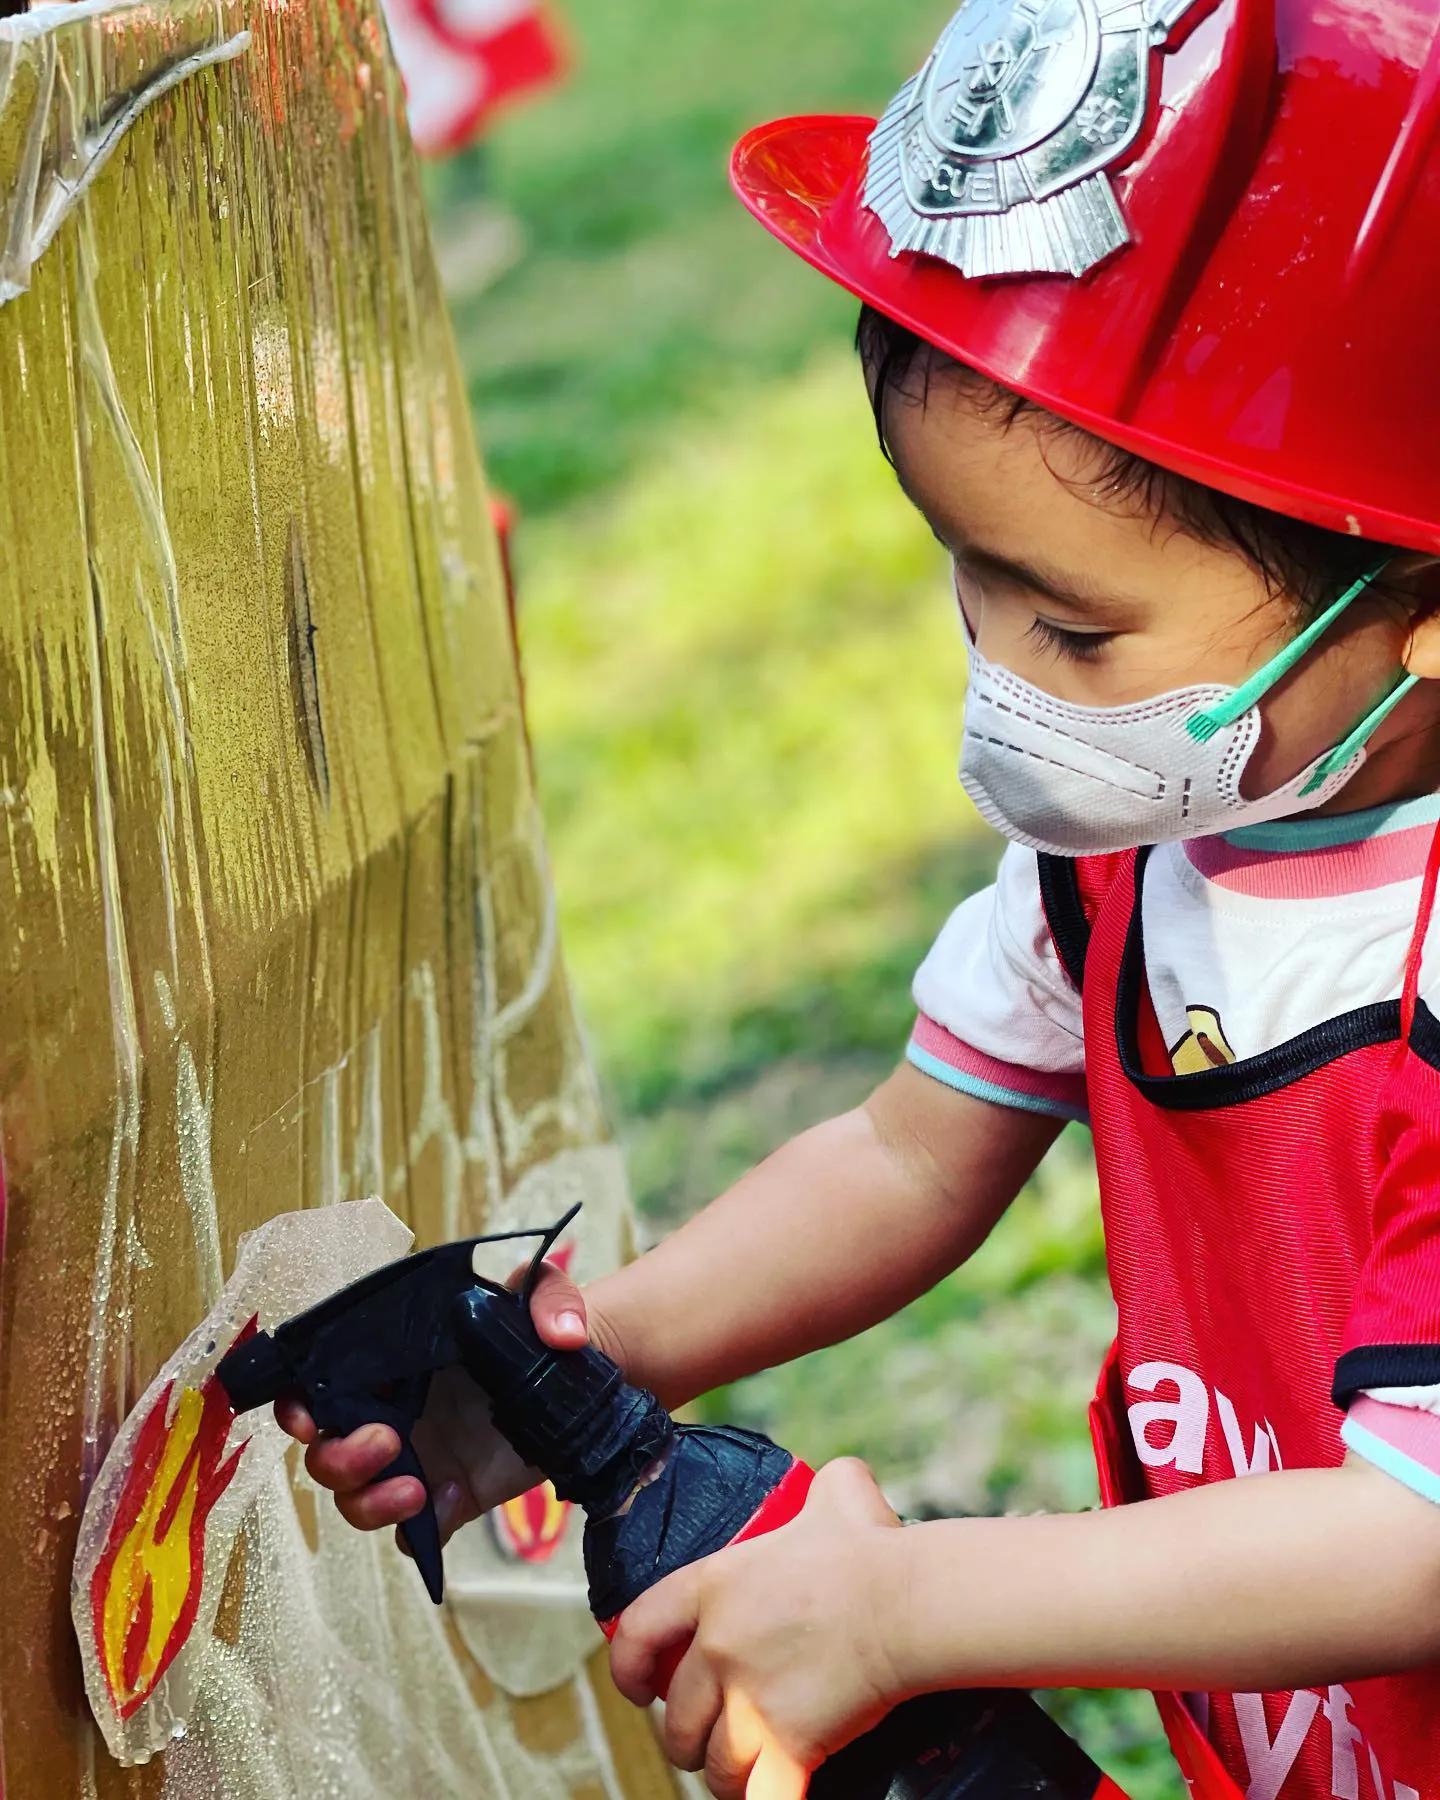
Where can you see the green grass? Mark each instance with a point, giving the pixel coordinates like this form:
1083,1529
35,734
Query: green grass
649,294
744,681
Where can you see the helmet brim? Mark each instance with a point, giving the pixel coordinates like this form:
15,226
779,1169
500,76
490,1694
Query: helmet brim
802,179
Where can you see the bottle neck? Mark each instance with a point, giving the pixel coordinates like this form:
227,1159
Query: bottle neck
569,1413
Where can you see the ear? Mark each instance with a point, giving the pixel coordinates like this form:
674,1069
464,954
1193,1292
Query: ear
1421,575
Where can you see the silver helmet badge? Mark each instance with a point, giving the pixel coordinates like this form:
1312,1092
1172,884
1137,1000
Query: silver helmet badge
993,158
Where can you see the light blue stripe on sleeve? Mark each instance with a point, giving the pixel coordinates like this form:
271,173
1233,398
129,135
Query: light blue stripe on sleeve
1394,1462
991,1091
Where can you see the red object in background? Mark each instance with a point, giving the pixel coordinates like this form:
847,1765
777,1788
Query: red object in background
502,517
532,1527
146,1588
1269,330
465,59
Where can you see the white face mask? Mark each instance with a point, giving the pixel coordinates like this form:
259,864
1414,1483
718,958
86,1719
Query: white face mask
1082,780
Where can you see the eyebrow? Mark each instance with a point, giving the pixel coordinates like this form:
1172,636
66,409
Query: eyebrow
1042,581
1061,588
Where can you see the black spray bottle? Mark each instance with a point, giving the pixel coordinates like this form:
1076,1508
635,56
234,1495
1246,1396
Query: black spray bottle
658,1495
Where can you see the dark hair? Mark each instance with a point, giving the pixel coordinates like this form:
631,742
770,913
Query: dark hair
1307,561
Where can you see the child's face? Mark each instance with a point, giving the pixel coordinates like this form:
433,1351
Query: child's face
1092,599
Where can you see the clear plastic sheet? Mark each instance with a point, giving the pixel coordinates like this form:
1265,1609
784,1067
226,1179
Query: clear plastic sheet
161,1520
279,928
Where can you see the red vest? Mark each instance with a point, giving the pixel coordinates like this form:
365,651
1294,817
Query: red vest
1258,1218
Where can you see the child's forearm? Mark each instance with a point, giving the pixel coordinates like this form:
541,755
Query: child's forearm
834,1232
1270,1582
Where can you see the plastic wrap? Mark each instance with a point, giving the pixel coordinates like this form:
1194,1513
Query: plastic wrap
171,1498
279,931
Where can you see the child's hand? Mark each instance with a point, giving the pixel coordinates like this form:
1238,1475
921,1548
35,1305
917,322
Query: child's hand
468,1464
792,1643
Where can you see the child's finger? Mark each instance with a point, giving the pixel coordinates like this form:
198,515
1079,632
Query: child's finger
293,1419
692,1706
382,1503
733,1748
344,1464
557,1306
847,1488
452,1510
745,1762
776,1776
660,1620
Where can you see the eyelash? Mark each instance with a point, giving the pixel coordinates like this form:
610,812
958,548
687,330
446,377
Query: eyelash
1072,646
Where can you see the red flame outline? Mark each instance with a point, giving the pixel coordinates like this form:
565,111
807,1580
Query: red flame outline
217,1415
528,1540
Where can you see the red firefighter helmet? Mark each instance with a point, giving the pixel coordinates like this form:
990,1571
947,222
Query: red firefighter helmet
1207,232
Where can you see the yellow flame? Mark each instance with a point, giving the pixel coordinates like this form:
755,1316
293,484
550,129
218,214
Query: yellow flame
148,1558
529,1535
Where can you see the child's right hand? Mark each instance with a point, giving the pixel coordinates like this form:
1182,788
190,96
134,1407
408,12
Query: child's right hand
469,1466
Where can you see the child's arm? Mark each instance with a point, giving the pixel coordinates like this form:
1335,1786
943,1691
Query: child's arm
837,1230
832,1233
1309,1577
1273,1581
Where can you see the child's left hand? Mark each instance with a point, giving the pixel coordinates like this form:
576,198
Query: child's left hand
793,1643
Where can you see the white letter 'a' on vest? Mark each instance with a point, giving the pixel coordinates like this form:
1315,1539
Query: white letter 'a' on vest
1188,1417
1268,1764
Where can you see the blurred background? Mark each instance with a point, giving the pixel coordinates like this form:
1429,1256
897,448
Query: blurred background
744,677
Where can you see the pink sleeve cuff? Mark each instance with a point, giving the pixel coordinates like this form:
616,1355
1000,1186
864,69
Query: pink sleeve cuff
940,1053
1401,1440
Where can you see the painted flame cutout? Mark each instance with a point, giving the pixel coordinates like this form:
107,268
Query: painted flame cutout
532,1526
145,1592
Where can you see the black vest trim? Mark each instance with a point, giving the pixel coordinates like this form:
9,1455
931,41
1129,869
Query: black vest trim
1253,1076
1065,914
1385,1366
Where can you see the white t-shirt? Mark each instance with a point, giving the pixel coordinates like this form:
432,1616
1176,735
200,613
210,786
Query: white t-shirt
1250,939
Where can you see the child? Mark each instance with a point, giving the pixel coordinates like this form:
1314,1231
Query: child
1160,376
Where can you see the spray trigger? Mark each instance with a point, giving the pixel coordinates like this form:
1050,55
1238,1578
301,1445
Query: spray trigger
368,1353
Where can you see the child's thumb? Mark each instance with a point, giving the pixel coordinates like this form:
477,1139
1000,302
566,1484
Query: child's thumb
558,1309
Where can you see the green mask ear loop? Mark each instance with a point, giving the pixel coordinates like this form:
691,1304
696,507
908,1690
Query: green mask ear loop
1361,735
1202,726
